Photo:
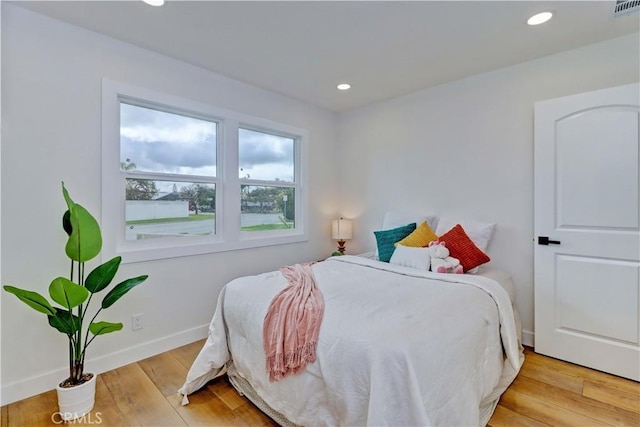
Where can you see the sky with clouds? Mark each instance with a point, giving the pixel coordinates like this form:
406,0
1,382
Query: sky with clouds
265,156
168,143
162,142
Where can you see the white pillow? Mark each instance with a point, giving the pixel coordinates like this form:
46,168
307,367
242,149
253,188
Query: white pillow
406,256
398,219
479,232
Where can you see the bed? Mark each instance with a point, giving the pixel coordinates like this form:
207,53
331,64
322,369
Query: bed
397,346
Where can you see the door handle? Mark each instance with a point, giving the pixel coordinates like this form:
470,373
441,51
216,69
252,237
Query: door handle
544,240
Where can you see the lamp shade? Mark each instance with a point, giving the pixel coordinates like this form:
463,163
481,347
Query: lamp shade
341,229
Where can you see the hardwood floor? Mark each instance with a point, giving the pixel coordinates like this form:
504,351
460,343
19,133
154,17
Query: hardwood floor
546,392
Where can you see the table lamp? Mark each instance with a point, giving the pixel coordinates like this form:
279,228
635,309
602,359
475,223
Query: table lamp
341,230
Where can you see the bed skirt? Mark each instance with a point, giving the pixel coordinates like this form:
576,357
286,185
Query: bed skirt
242,386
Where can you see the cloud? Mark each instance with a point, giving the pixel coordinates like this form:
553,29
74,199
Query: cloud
186,133
135,116
167,157
260,152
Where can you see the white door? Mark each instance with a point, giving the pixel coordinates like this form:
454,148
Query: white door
587,275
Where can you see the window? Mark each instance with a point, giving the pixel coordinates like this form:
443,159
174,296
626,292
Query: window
182,178
267,172
168,161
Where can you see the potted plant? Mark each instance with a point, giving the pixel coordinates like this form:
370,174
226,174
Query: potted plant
76,394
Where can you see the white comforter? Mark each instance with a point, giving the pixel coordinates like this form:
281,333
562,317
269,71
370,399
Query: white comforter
397,346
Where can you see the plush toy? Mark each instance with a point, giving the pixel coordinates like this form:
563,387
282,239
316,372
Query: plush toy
441,262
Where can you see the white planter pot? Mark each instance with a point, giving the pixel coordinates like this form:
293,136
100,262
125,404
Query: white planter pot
76,402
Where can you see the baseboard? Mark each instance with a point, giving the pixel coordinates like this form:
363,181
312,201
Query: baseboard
39,384
528,338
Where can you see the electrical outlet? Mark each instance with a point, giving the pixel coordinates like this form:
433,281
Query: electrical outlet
136,322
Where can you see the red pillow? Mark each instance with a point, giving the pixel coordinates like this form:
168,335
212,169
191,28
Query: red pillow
462,247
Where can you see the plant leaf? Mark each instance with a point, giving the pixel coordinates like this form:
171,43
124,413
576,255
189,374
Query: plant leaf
65,322
66,196
121,288
101,328
67,293
102,275
32,299
85,240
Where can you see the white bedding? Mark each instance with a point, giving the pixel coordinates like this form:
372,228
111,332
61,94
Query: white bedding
397,346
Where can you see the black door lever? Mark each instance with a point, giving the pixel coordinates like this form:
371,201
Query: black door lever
544,240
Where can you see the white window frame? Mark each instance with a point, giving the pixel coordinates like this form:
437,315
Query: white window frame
228,235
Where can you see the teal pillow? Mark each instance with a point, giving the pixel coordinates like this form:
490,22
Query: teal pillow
386,240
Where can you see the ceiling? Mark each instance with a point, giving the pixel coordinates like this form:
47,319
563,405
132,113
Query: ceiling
385,49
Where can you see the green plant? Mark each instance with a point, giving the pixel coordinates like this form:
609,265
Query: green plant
84,243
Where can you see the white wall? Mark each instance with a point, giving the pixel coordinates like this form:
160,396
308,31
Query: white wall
51,114
466,149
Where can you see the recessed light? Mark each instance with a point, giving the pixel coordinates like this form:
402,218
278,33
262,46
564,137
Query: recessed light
540,18
344,86
154,2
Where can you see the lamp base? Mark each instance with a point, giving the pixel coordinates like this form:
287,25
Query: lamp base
341,247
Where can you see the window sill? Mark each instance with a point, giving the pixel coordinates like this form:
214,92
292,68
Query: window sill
171,250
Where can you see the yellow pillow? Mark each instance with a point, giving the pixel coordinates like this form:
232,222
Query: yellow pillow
422,236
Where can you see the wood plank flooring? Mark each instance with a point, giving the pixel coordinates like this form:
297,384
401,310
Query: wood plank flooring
547,392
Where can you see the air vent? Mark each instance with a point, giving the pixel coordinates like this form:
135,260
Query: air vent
624,7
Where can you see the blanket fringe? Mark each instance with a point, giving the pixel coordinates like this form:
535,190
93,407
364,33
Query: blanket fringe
280,365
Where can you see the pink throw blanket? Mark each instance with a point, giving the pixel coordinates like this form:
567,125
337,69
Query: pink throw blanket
292,323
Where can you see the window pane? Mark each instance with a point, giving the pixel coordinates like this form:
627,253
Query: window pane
266,157
161,142
267,208
164,208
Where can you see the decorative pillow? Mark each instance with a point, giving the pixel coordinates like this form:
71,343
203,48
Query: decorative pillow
396,219
479,232
422,236
386,240
413,257
462,247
